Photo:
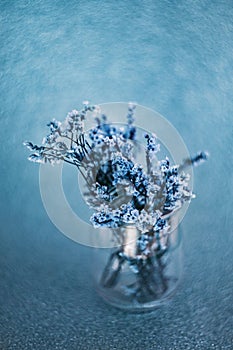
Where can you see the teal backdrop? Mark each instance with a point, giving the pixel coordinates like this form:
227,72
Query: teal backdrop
175,57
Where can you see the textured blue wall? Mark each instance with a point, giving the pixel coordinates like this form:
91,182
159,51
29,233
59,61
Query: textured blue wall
173,56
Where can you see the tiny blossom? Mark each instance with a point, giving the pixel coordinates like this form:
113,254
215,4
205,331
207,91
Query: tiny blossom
164,164
110,141
74,114
130,215
54,125
152,144
50,139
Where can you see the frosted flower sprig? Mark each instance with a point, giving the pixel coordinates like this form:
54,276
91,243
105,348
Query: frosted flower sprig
65,142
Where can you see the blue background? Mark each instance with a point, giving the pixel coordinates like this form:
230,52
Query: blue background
175,57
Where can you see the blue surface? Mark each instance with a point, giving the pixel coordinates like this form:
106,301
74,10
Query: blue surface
173,56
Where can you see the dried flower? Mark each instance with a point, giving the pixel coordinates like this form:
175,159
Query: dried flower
117,187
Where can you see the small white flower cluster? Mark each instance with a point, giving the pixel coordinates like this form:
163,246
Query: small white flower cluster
146,219
65,142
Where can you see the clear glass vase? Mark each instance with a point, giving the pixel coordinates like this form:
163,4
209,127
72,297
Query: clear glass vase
127,281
